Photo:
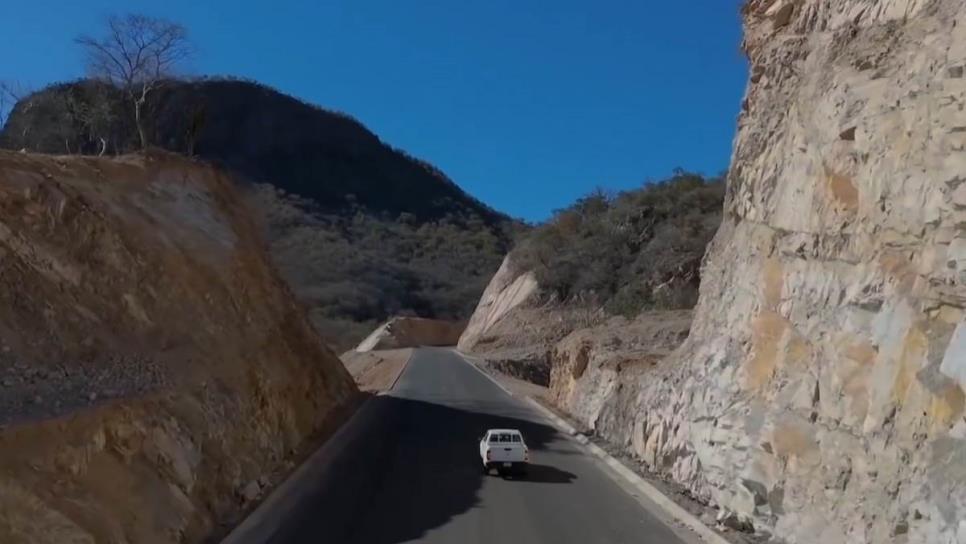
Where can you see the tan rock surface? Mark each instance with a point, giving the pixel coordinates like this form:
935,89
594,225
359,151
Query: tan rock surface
153,365
508,290
820,393
591,363
515,332
376,370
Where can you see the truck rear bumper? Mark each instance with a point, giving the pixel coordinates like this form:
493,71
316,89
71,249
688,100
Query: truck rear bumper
520,467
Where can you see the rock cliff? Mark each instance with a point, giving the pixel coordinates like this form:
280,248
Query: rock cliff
508,290
515,331
155,372
820,394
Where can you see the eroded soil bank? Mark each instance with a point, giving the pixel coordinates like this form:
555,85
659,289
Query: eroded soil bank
155,372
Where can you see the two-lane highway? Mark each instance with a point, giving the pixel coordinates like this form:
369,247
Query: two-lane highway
408,471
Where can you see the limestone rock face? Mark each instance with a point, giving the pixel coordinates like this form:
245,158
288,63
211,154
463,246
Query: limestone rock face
820,394
507,290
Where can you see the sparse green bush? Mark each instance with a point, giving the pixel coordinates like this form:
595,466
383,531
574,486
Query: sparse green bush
638,250
352,269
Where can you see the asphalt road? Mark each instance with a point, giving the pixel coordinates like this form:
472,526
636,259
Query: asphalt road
407,470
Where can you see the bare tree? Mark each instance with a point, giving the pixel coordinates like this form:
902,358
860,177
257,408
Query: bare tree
137,55
93,114
11,94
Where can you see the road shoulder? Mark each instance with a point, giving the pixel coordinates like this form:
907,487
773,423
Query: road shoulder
647,495
375,372
378,370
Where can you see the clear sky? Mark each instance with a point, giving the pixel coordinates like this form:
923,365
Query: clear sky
527,105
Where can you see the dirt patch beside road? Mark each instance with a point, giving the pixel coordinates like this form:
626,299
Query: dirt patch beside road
376,371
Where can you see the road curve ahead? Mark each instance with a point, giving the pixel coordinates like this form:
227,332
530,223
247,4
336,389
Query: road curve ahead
408,471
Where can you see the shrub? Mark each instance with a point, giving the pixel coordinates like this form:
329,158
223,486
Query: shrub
638,250
354,269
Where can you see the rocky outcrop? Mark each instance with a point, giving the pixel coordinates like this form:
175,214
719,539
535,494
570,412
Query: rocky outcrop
820,394
508,289
515,332
412,332
156,373
589,365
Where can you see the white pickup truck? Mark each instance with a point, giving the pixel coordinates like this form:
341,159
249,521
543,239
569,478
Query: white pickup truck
505,451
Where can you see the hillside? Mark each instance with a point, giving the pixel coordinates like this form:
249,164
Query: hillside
640,249
603,257
156,372
360,230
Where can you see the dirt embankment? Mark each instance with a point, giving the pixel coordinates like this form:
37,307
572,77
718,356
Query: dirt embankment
376,371
154,370
411,332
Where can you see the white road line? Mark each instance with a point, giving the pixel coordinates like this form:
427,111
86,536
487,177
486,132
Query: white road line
412,352
631,478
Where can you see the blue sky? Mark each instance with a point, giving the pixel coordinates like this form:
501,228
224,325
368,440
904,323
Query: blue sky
526,107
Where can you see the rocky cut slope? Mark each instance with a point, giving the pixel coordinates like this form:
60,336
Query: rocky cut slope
155,370
820,395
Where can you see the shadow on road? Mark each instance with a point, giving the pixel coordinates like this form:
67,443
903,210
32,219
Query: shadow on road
405,467
543,474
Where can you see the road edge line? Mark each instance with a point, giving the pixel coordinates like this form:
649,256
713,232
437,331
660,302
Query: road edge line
412,352
466,360
672,508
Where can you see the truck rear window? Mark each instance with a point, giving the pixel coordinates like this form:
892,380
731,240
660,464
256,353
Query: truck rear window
506,438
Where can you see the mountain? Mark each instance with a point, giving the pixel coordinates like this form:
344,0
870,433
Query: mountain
254,130
360,230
